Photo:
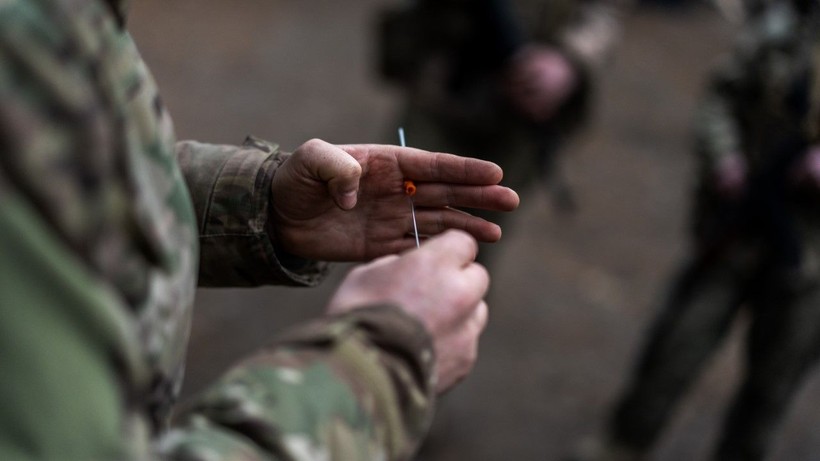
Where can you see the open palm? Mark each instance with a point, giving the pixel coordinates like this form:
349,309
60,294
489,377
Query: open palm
348,203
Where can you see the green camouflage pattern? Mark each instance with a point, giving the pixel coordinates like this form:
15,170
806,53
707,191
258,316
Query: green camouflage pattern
107,224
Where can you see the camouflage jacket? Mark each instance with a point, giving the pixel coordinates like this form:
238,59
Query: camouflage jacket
765,93
107,223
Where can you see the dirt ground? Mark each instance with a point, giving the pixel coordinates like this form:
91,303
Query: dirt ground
571,294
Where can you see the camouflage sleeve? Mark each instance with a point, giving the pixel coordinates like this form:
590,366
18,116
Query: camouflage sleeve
230,188
356,387
64,337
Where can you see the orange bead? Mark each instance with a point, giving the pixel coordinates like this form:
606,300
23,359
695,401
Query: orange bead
409,188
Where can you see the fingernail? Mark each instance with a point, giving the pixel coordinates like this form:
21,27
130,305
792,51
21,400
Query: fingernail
347,200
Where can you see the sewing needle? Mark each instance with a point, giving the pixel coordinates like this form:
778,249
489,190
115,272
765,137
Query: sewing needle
410,190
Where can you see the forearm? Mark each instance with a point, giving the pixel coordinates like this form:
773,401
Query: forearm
353,387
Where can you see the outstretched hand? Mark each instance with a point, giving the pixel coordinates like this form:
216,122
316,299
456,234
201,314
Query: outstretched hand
347,203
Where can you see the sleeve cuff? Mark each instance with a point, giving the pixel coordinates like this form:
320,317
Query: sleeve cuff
230,187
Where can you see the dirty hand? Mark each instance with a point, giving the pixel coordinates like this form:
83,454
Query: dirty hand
348,203
538,81
440,285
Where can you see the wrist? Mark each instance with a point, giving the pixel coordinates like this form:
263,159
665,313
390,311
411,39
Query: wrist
286,258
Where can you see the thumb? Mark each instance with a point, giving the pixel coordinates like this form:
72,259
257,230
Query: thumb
337,168
453,246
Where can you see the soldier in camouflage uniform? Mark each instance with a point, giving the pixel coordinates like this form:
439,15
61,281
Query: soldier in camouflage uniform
757,243
107,224
507,80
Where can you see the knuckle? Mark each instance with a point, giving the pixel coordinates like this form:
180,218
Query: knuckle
313,144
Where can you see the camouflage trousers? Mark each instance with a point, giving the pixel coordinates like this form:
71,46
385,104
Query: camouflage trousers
782,344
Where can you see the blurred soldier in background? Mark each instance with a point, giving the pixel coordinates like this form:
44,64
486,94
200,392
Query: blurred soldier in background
507,80
756,245
107,224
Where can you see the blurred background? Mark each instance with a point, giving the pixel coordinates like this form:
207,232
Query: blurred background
571,294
